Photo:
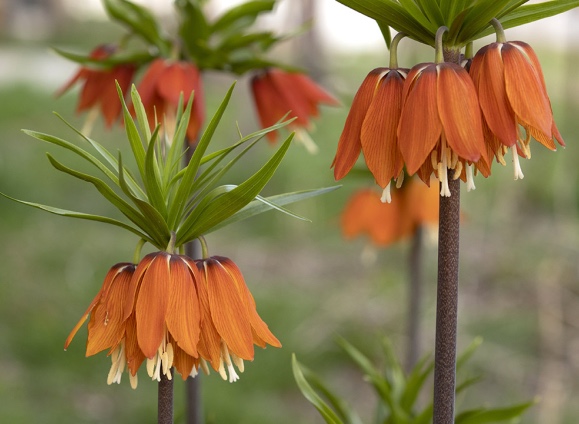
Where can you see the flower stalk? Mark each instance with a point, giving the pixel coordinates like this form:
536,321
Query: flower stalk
165,401
447,295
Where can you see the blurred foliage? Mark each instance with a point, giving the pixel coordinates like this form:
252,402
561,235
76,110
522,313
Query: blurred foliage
397,392
517,237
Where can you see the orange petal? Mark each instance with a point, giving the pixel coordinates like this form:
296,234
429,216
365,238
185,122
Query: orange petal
183,362
524,90
152,304
290,98
493,98
265,99
148,85
209,341
135,356
459,112
420,128
109,278
259,327
228,312
349,145
378,135
135,284
183,315
106,327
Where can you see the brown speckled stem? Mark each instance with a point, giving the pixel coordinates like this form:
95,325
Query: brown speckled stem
165,400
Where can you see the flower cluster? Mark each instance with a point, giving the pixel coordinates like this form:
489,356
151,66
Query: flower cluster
413,206
445,120
173,311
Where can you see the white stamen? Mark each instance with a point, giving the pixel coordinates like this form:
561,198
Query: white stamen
134,380
204,367
118,365
233,377
457,171
400,179
469,177
151,366
386,197
518,172
238,362
434,159
221,370
194,372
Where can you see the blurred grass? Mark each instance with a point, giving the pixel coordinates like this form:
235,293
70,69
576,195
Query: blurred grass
309,285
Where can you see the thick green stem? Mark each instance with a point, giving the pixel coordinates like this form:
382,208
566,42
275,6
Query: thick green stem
499,31
447,295
165,401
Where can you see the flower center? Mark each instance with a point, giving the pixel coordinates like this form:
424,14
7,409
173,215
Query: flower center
227,358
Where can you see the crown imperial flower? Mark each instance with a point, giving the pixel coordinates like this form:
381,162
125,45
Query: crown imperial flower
230,325
440,126
371,127
513,94
98,85
161,88
277,92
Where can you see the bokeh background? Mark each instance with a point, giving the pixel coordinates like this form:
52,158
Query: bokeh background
519,241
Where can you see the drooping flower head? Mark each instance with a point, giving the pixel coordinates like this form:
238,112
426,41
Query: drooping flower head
440,126
161,87
230,325
174,312
414,205
277,92
98,85
513,95
372,123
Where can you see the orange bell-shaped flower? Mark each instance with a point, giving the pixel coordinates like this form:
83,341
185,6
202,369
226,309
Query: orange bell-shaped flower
98,85
161,87
440,126
230,325
512,94
277,92
371,127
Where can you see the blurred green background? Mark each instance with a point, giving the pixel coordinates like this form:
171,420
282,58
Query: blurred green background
519,255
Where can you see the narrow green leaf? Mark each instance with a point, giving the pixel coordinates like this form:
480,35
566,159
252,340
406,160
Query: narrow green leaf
419,15
193,29
80,215
152,177
133,136
258,206
432,11
534,12
229,203
415,382
242,16
156,224
484,416
478,18
467,383
452,8
184,189
466,354
310,394
346,414
176,153
138,19
140,113
106,155
385,30
106,192
262,40
391,13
